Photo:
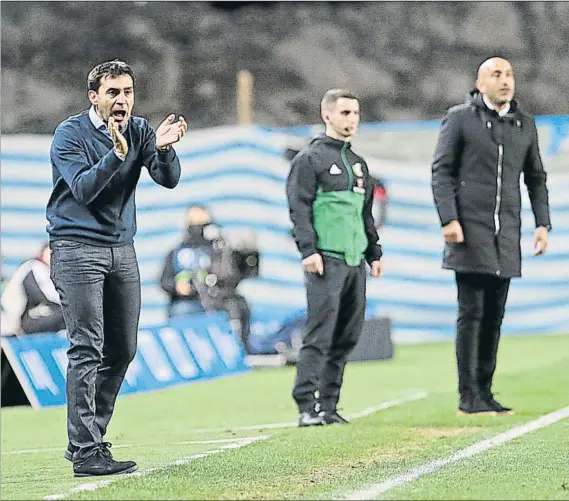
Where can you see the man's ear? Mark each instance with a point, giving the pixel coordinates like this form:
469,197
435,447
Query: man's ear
92,96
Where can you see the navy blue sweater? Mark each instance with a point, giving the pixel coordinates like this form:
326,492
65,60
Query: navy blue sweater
93,190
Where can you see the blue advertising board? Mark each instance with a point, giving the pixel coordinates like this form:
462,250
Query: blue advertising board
193,348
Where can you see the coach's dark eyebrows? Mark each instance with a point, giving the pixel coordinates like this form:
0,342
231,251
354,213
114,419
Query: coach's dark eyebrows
118,89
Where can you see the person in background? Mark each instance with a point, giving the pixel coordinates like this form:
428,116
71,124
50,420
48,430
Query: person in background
203,271
483,148
380,202
30,303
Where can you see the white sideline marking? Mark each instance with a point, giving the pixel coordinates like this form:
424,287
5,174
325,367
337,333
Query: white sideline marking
234,444
366,412
375,490
189,442
91,486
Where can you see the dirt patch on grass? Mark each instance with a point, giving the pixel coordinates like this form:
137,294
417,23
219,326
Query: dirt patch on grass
382,454
442,432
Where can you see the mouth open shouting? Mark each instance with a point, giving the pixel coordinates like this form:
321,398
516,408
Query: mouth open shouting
120,116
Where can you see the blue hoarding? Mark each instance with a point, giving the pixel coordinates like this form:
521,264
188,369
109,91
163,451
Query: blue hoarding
193,348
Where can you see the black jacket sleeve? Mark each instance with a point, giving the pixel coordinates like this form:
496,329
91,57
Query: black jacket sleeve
168,279
373,251
535,179
301,188
445,167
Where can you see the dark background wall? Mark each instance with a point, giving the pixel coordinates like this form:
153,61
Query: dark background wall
407,60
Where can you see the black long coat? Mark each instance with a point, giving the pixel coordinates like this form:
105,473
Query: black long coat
476,171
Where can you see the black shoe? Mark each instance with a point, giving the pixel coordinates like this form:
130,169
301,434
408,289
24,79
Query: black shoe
497,406
309,419
475,406
332,417
100,462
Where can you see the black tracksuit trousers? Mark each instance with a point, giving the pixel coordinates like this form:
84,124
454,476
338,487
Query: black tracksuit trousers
336,308
481,304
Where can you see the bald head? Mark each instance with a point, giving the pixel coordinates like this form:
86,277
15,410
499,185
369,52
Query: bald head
495,81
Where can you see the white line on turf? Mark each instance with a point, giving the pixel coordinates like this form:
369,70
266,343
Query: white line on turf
91,486
120,446
366,412
373,491
236,443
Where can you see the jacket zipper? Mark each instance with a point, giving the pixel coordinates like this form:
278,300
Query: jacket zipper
347,165
498,190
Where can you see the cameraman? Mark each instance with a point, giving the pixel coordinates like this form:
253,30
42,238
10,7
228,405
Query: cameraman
30,303
203,271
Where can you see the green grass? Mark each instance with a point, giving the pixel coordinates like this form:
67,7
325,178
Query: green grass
321,463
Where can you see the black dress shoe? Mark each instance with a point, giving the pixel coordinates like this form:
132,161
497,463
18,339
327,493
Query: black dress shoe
309,419
99,462
475,406
498,407
332,417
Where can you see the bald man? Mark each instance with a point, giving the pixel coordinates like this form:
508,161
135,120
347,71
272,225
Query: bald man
484,147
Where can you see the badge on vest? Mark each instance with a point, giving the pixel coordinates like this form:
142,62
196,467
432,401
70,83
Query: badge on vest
357,168
359,188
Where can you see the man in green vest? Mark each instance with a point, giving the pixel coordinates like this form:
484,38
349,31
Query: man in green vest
330,196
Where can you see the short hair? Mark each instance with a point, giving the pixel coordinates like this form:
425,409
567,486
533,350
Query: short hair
332,95
113,68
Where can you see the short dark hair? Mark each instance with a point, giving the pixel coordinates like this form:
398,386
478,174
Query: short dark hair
332,95
113,68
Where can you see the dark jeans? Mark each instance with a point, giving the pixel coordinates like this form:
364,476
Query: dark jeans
336,309
99,289
481,305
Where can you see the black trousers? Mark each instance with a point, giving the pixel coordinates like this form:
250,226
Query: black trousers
238,310
481,305
336,308
99,289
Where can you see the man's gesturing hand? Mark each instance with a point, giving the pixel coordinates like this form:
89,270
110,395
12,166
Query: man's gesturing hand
453,233
314,264
121,146
170,132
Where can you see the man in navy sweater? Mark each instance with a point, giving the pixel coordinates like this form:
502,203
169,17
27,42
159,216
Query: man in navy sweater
96,159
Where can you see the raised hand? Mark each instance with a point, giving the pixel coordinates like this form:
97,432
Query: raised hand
121,146
170,132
